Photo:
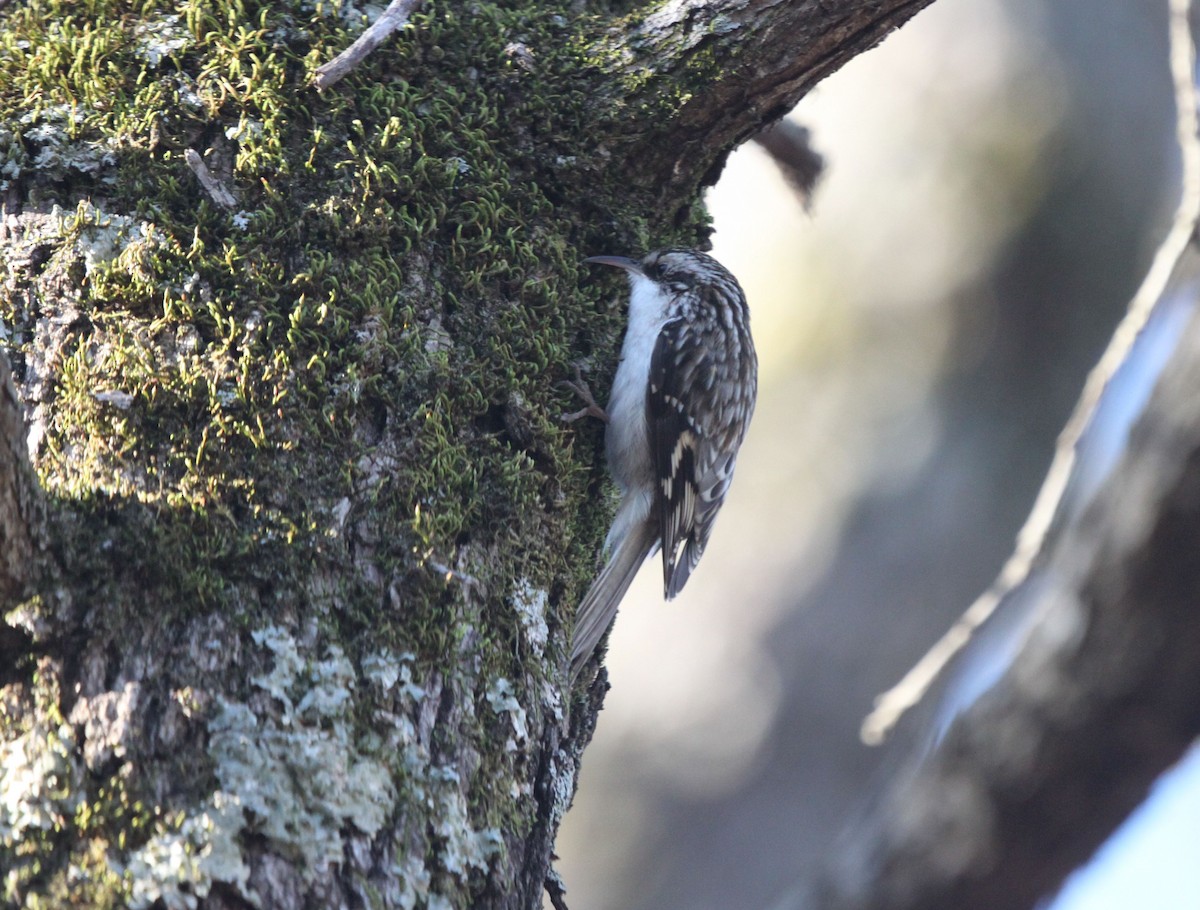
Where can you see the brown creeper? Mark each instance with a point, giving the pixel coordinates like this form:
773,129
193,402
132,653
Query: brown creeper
681,401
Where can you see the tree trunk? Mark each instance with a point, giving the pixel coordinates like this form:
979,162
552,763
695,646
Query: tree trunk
288,575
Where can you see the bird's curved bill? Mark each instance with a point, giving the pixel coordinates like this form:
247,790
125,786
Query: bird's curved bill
620,262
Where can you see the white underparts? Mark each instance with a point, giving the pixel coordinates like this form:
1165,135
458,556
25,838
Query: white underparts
627,438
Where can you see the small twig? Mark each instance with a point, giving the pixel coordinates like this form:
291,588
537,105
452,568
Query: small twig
217,191
448,574
556,890
789,146
392,18
1031,541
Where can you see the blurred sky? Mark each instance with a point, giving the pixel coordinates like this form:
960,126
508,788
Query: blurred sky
999,174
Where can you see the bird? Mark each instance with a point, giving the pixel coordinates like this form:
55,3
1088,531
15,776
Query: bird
680,405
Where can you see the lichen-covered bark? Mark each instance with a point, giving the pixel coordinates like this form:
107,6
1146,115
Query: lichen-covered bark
313,530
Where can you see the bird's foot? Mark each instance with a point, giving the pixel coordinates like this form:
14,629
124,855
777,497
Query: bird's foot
580,388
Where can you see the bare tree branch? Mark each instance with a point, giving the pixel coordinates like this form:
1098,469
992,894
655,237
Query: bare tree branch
1100,701
1049,509
749,65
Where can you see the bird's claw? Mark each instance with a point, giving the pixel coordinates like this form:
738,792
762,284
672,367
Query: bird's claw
580,388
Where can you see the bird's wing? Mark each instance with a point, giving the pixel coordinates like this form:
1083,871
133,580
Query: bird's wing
691,479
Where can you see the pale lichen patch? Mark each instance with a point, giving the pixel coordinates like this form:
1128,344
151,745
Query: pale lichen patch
100,236
179,865
263,758
159,39
504,701
51,131
413,881
295,775
383,668
393,672
38,786
531,605
108,723
463,847
288,663
564,771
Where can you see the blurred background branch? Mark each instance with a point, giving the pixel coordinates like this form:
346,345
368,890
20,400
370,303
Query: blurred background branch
1062,493
1099,701
1032,775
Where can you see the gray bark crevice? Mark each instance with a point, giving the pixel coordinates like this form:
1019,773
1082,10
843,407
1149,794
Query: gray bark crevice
21,512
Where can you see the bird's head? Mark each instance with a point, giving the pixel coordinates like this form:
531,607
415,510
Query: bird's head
674,271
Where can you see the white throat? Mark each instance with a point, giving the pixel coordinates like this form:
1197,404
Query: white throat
627,439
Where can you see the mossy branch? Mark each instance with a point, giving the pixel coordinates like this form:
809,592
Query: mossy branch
695,80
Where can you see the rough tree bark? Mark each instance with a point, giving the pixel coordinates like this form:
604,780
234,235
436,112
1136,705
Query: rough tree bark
285,613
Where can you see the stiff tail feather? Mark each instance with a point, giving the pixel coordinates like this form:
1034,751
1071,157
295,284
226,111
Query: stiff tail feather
599,605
